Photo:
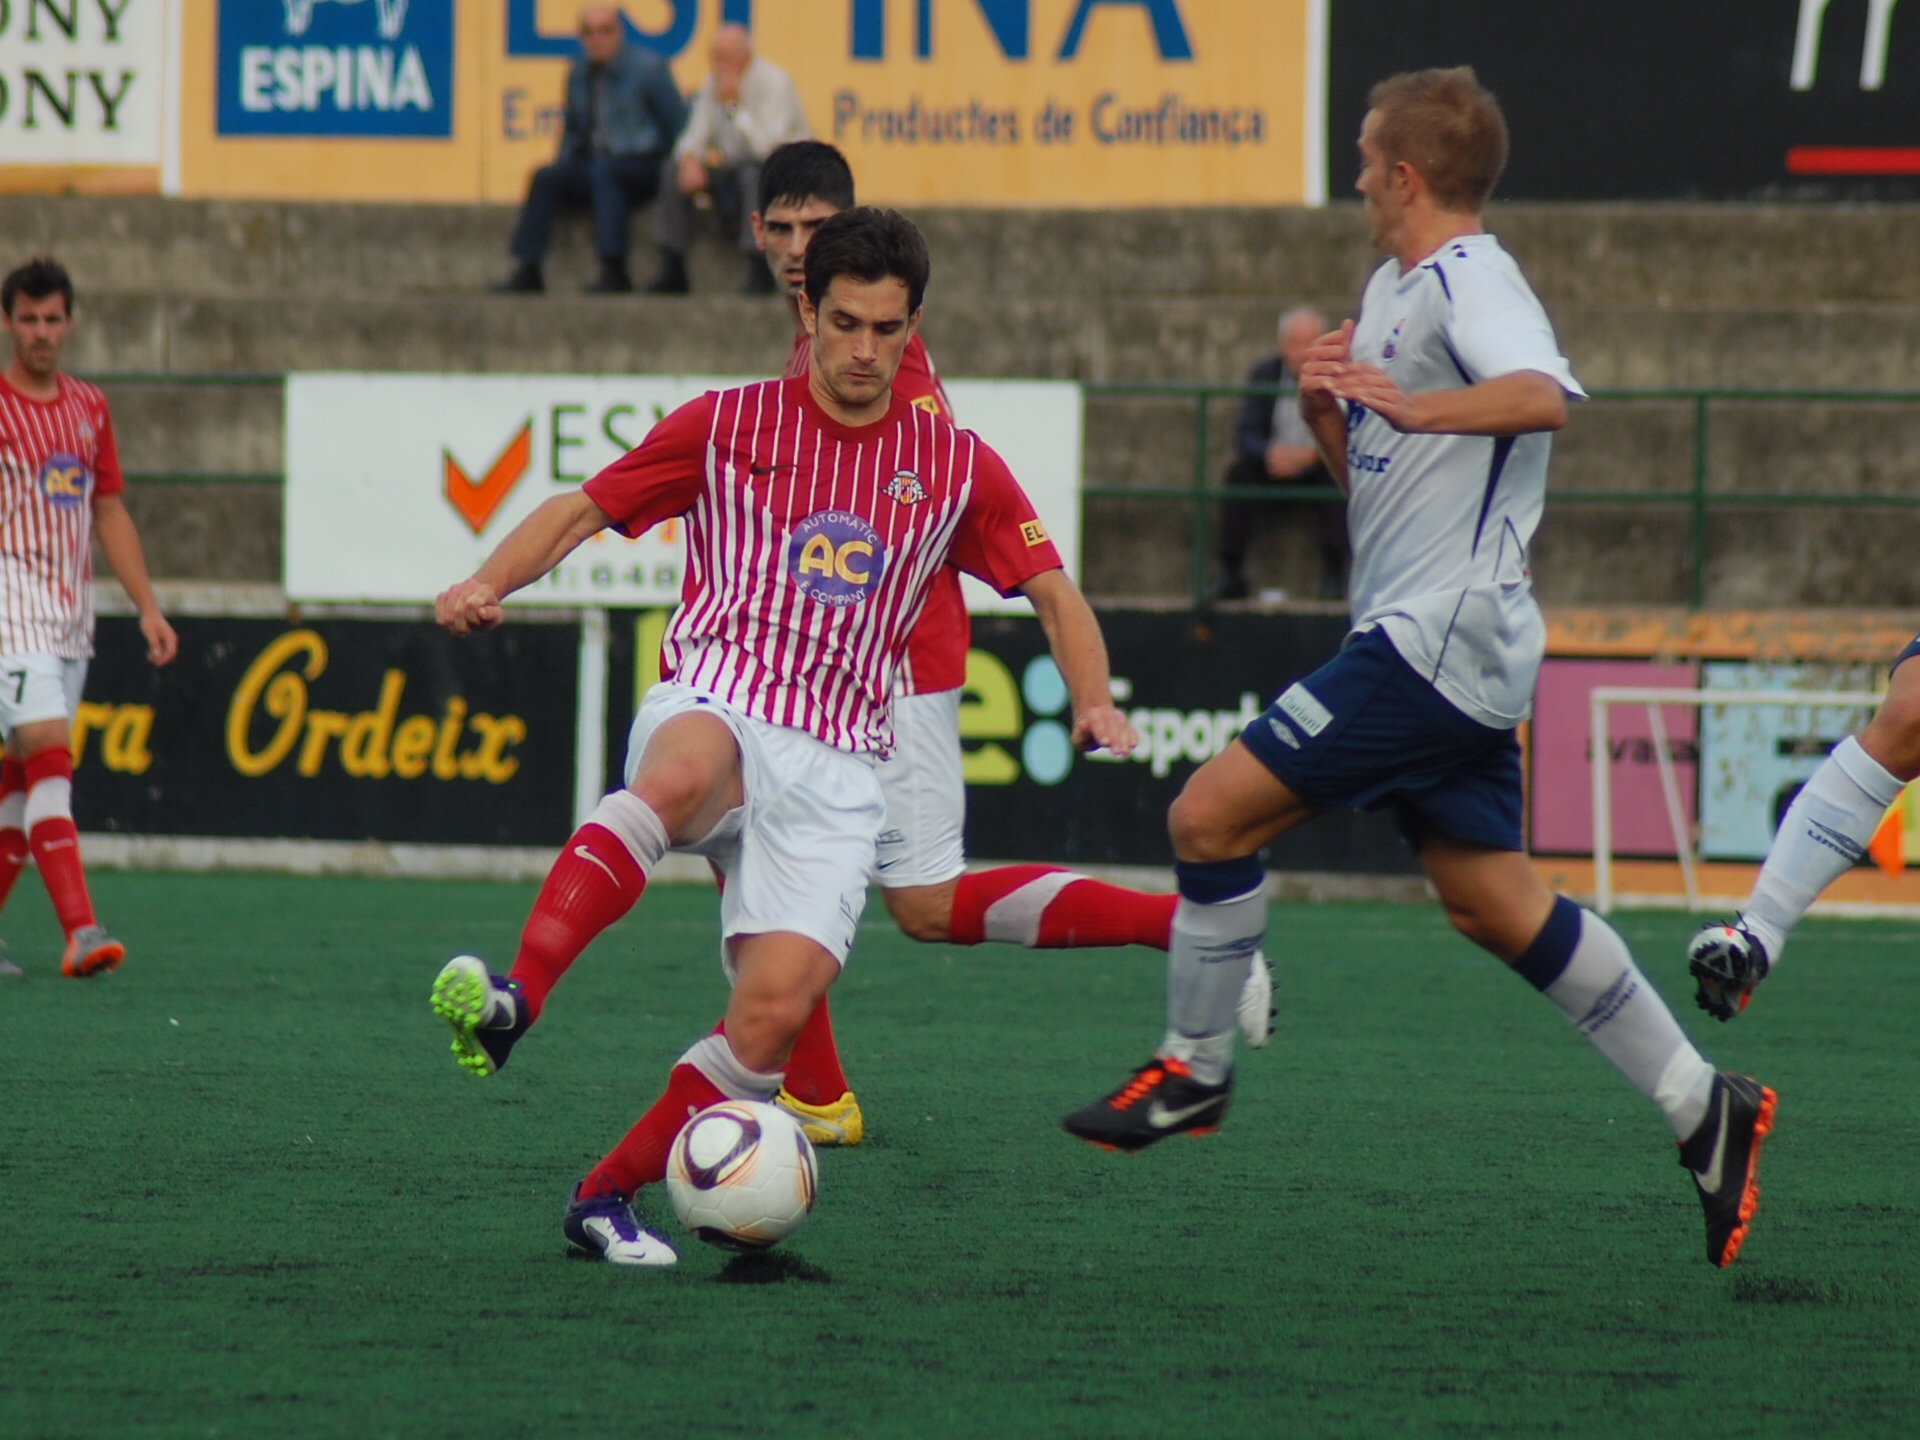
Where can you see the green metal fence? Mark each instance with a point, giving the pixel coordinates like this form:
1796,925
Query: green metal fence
1201,493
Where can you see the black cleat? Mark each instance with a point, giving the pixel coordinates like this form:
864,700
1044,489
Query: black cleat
1161,1099
1727,961
1723,1156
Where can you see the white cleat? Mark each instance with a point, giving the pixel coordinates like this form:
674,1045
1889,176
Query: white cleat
605,1226
1255,1010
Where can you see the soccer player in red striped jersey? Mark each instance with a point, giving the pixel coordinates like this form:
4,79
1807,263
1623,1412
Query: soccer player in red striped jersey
819,511
922,859
60,486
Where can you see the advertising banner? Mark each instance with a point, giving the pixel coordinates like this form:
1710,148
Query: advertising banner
332,730
1189,688
937,102
1560,793
1642,99
1755,758
82,85
398,485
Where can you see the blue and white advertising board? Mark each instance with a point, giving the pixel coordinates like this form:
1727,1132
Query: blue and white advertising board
336,67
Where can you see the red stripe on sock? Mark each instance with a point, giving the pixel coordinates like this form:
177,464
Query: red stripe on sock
641,1158
975,893
56,850
813,1070
593,883
1091,913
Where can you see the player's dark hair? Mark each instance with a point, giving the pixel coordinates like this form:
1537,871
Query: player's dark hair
1448,127
36,280
806,170
868,245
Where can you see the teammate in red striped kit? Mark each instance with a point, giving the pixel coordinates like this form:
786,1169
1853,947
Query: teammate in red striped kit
819,510
60,486
921,864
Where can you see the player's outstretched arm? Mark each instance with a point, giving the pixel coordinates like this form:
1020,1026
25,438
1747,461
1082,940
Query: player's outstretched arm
120,542
535,546
1080,650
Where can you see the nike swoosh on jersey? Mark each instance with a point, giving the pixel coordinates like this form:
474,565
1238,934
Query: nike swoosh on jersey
1709,1181
586,854
1160,1117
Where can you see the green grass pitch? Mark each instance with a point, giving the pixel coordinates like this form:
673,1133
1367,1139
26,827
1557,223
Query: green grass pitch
245,1192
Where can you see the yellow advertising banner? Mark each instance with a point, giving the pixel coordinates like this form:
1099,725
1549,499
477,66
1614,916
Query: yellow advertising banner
936,102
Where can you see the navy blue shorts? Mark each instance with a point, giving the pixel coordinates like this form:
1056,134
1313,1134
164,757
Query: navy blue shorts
1365,732
1913,649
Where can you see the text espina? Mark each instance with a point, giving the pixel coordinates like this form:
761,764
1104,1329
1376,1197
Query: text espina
373,743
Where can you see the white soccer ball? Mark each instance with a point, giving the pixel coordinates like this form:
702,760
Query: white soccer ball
741,1175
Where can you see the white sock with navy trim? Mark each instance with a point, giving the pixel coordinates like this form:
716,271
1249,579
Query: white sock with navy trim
1822,836
1218,924
1579,962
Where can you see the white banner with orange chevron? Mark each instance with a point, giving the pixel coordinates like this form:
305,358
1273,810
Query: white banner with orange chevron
398,485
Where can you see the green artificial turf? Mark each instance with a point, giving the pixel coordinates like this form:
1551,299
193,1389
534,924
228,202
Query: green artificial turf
245,1192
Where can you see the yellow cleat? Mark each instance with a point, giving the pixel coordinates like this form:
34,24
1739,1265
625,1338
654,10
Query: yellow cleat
837,1123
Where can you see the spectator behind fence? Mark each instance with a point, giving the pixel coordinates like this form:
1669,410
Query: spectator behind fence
1272,446
623,112
745,110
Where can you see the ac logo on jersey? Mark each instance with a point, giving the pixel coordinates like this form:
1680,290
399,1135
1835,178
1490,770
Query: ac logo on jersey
905,488
836,558
64,481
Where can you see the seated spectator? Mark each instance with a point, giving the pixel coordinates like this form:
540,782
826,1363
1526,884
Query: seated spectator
745,110
1272,446
623,111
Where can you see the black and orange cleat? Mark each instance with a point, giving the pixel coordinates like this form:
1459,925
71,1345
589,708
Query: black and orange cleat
1727,961
1723,1156
91,951
1161,1099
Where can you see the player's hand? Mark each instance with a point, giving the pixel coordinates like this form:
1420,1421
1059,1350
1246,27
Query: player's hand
1372,387
1104,728
162,643
1327,359
471,605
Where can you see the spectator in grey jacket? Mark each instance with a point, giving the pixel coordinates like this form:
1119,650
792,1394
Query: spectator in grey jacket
745,110
623,112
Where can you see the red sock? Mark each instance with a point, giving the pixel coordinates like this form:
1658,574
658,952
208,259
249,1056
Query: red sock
593,883
813,1070
1049,908
55,843
13,838
641,1158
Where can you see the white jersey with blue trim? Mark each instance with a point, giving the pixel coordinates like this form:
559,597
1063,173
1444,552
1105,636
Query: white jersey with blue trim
1441,523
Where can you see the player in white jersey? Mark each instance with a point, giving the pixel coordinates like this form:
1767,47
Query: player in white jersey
60,487
1824,834
1434,412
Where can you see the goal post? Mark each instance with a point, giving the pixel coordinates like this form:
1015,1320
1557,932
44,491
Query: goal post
1600,759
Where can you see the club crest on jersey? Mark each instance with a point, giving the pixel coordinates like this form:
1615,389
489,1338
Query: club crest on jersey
905,488
836,558
63,480
1392,347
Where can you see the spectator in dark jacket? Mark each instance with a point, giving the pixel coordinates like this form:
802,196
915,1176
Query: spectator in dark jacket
1272,446
623,114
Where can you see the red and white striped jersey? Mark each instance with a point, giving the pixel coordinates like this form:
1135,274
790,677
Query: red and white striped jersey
936,656
811,546
56,456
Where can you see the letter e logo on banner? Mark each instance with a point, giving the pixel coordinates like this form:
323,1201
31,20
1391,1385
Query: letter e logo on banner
476,501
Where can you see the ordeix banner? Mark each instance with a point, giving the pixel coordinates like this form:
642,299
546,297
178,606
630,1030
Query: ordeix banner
399,485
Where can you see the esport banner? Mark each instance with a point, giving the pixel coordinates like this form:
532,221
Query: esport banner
331,730
1189,686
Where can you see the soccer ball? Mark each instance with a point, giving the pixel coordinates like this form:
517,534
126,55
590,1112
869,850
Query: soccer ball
741,1175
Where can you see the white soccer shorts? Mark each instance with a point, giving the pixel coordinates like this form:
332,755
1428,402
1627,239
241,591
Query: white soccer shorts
924,841
796,856
39,687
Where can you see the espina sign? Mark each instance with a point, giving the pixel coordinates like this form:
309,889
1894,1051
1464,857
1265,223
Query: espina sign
936,102
336,730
